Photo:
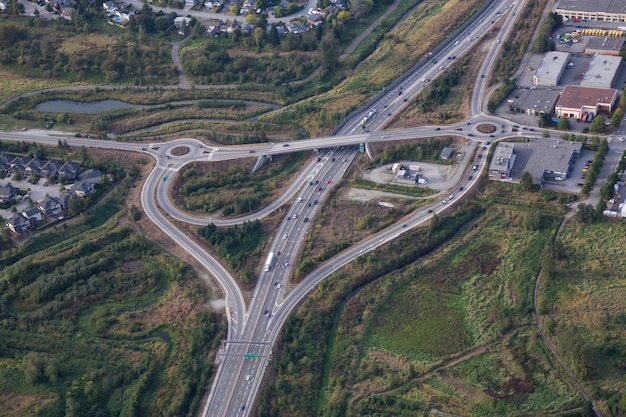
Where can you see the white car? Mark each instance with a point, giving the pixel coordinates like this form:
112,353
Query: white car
621,138
285,236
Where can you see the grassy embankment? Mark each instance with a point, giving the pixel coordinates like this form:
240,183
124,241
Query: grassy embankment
94,319
406,44
583,305
452,330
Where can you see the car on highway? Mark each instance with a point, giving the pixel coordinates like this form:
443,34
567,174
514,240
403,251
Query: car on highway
285,236
252,151
470,177
430,211
295,216
285,145
327,181
319,159
621,138
299,199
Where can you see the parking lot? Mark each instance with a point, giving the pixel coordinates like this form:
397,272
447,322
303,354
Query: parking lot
37,193
571,184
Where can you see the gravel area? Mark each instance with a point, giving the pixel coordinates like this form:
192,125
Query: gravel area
437,175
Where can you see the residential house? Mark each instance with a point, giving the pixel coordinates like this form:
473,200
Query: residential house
296,28
33,167
93,176
230,27
18,224
109,6
51,169
50,206
338,3
191,3
212,30
315,19
65,198
18,165
210,4
8,194
5,163
181,22
83,189
69,171
32,213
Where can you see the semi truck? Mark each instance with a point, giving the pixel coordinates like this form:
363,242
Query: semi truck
270,260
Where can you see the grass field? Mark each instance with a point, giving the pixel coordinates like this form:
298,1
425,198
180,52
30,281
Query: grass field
452,331
584,305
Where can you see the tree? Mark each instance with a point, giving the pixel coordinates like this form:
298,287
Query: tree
563,123
327,50
545,120
259,36
618,116
273,35
526,181
598,125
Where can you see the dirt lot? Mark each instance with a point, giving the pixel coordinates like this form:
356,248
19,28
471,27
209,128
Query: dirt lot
436,174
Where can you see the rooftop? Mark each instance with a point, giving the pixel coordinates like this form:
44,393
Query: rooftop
501,157
602,68
552,64
575,97
597,6
605,43
541,99
549,155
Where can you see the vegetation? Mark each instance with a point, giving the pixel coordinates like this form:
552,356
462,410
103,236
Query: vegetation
582,305
544,42
131,314
236,244
388,336
231,188
594,168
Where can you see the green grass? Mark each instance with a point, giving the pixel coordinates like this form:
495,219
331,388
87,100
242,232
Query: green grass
417,322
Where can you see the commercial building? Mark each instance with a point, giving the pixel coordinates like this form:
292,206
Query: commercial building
577,101
602,71
603,10
551,68
502,162
604,45
544,159
533,102
447,153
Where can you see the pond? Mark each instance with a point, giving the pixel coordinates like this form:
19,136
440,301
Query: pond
66,106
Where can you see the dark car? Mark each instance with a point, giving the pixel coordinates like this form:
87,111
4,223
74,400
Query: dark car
438,128
460,188
319,159
333,160
285,145
470,177
430,211
252,151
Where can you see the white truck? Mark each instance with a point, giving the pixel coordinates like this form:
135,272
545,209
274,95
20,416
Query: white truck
422,181
270,260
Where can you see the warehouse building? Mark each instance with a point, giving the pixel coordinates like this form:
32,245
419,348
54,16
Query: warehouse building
602,10
602,71
604,45
544,159
551,68
533,102
576,101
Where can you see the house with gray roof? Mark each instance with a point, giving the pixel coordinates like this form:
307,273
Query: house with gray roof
8,194
50,206
18,224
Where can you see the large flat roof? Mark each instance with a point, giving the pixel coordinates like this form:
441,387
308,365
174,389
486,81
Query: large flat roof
605,43
596,6
547,155
552,156
540,99
575,97
552,65
602,68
